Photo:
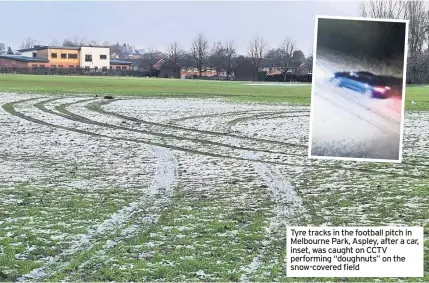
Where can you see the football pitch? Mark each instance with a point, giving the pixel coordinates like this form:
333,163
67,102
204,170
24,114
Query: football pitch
182,180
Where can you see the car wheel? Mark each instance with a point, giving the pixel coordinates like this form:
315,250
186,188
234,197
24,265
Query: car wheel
368,94
337,82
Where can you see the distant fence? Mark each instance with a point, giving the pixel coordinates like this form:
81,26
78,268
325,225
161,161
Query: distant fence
211,78
137,73
307,78
75,72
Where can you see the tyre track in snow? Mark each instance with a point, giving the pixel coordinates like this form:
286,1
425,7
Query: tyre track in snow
213,115
159,197
9,107
287,210
142,214
98,108
220,127
78,118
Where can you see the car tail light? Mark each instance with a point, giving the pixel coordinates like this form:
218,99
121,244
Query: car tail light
381,89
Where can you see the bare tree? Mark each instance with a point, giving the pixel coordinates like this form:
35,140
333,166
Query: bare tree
217,55
2,48
286,52
223,56
68,42
387,9
28,43
258,48
200,52
54,42
93,43
230,55
106,43
79,41
75,42
418,28
151,56
175,54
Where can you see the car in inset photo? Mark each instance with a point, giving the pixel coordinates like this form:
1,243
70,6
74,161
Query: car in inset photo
366,83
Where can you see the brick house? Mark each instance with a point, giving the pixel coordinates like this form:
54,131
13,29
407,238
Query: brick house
19,61
245,71
191,72
169,69
120,65
304,69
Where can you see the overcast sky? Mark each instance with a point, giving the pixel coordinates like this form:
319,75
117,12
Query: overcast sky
159,23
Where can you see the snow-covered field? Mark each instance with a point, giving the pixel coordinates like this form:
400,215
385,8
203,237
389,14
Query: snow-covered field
180,189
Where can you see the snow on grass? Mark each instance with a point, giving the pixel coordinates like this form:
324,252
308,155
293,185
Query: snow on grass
122,210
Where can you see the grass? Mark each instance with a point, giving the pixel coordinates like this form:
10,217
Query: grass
45,220
209,230
153,87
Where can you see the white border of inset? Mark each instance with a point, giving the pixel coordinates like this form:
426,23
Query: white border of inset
404,80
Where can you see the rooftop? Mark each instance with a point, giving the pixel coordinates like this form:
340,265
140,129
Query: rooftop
120,62
42,47
23,58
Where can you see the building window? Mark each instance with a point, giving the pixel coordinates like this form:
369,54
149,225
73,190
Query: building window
71,66
103,57
54,55
86,67
60,66
88,58
63,56
33,66
104,69
111,67
124,67
96,69
42,66
34,54
118,68
53,66
72,56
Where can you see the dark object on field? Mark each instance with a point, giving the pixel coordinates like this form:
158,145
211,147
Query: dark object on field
96,95
108,97
366,83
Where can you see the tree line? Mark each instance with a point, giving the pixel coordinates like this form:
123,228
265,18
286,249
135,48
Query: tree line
202,55
418,32
223,55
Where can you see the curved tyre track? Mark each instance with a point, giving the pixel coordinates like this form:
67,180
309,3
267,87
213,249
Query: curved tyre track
78,118
223,114
98,108
62,109
9,107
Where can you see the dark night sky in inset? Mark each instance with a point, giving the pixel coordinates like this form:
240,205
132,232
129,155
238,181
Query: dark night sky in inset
371,39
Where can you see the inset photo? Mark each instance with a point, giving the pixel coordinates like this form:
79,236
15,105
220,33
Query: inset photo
358,88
